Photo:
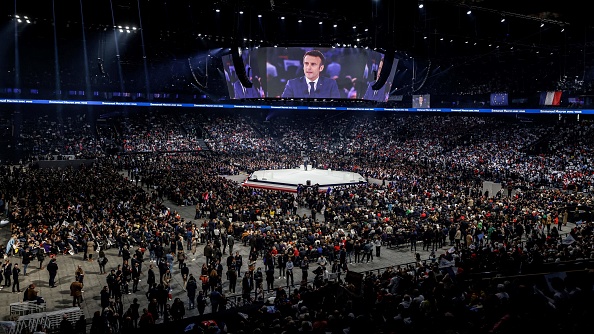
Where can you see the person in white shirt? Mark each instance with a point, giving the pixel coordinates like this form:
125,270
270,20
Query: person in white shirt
322,261
377,242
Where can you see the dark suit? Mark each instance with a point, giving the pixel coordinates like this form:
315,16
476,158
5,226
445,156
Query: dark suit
375,95
52,268
424,104
249,93
298,87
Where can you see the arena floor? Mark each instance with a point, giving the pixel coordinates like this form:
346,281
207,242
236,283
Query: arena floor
59,298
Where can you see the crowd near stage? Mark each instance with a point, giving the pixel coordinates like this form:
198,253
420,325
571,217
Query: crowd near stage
301,177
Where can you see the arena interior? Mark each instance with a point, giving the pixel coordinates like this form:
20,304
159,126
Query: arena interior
443,185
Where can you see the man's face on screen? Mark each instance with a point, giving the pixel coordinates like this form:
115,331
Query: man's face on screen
312,67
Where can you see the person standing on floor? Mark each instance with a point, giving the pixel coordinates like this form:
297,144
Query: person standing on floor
368,250
135,276
102,260
135,307
76,293
289,271
201,302
26,259
195,241
378,246
215,300
105,297
79,274
238,263
52,268
246,287
191,289
304,270
281,261
232,277
15,278
269,279
258,283
7,271
185,272
170,259
151,278
181,258
230,242
40,256
90,249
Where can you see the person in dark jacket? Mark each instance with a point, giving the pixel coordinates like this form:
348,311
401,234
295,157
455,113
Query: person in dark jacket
135,308
66,326
105,297
151,278
26,259
201,302
246,287
97,324
7,271
178,310
52,268
270,279
232,277
153,308
191,289
15,278
135,277
40,256
81,325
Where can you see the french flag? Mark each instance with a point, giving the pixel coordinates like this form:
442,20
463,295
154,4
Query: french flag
552,98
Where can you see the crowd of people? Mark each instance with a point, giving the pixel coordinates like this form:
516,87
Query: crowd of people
426,187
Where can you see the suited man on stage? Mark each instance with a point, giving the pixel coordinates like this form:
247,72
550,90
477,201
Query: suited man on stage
312,85
242,92
380,95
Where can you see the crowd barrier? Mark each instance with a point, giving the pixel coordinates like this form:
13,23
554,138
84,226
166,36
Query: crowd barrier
49,320
27,307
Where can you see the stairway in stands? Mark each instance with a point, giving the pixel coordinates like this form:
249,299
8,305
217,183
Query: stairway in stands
203,145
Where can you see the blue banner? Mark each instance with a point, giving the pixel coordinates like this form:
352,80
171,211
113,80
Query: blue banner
248,106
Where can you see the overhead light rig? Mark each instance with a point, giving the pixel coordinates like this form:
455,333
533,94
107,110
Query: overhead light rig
504,14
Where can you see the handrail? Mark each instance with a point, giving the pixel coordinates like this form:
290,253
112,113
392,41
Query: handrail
239,296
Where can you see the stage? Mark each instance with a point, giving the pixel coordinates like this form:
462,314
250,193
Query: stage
289,179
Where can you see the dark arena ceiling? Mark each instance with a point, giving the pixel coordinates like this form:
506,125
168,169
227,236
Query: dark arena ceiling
442,29
546,41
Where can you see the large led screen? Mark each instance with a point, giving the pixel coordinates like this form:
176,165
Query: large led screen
421,101
310,73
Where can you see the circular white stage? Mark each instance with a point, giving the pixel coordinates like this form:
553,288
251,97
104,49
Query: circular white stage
289,179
